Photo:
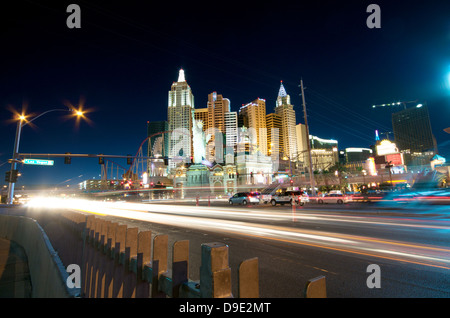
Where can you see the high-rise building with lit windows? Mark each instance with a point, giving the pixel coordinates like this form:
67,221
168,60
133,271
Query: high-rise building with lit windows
254,114
231,129
217,107
202,114
412,130
179,117
274,137
286,111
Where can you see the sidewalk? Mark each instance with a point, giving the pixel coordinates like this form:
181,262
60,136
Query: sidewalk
15,281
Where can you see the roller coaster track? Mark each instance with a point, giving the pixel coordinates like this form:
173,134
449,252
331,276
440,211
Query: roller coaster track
138,165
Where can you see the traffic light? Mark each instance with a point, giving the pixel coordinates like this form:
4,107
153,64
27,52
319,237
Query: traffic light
11,176
14,174
67,159
129,160
166,161
101,160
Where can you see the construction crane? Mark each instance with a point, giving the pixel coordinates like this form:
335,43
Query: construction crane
394,104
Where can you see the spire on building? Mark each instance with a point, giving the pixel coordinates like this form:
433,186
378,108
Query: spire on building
282,91
181,76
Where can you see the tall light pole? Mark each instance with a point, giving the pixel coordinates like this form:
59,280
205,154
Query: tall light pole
11,184
20,124
311,176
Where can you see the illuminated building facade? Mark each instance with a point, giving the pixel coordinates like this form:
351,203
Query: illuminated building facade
388,154
354,154
217,107
413,134
274,137
202,114
288,146
231,129
179,118
254,114
324,153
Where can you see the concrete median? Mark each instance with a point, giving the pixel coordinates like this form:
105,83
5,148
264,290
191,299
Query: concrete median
48,275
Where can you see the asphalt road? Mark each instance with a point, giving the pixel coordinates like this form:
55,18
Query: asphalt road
410,246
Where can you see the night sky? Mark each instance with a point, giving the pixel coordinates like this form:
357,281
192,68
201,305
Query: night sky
123,60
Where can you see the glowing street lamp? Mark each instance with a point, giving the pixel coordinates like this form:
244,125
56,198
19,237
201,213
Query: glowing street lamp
22,122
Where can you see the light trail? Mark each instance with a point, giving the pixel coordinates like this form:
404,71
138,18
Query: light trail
245,223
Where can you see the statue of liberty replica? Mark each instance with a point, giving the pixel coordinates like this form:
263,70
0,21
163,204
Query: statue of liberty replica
198,173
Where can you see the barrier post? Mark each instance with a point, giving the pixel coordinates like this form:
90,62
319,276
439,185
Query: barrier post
248,279
316,288
109,259
89,251
215,274
159,263
143,258
119,249
97,268
180,266
131,242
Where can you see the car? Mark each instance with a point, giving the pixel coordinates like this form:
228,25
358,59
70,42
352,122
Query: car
289,197
244,198
418,197
334,198
301,197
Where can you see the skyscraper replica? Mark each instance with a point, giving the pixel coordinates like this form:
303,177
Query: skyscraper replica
254,114
274,138
217,108
288,122
179,118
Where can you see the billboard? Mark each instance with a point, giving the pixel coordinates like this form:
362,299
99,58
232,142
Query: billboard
396,159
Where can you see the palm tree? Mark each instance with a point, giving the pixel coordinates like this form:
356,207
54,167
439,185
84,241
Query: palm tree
340,170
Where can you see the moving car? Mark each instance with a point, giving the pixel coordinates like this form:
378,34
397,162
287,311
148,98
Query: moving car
418,197
334,198
290,196
244,198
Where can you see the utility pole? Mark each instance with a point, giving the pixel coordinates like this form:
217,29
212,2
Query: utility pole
311,175
10,199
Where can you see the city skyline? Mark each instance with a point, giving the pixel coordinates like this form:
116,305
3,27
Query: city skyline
128,99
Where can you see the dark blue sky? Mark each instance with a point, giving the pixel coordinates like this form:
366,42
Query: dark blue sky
126,55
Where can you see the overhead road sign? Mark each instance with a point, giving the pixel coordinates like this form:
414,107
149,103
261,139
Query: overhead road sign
38,162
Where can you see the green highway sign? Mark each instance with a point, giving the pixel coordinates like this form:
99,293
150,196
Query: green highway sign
39,162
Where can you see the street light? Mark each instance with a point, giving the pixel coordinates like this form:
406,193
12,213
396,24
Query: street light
22,122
